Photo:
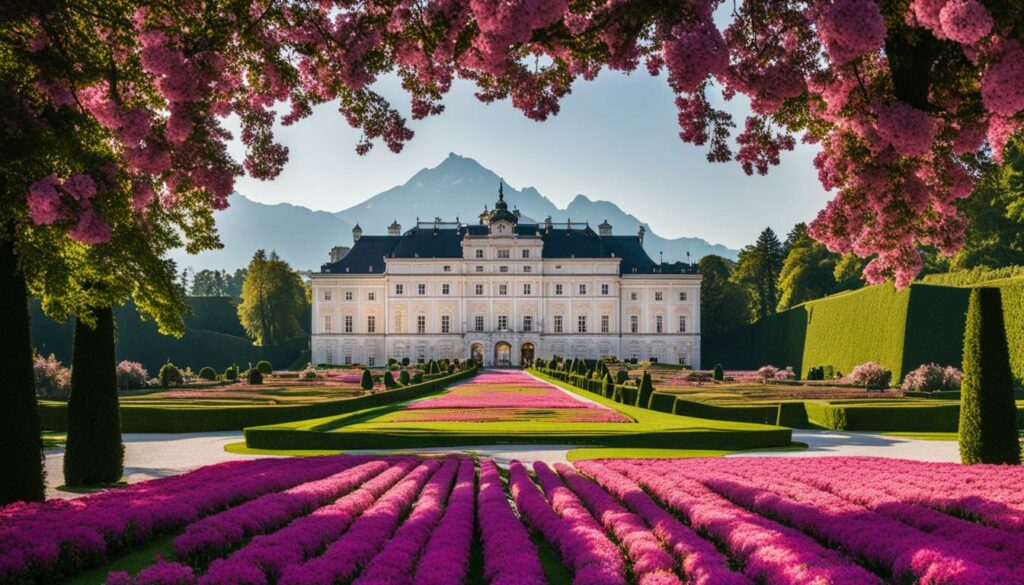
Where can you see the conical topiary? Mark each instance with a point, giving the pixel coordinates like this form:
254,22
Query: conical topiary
389,380
643,399
988,414
366,382
719,372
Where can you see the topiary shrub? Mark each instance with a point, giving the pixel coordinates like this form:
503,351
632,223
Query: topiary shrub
405,361
389,381
404,377
366,382
988,415
309,374
719,373
231,373
932,378
870,375
264,367
170,375
254,377
208,373
643,399
417,378
621,376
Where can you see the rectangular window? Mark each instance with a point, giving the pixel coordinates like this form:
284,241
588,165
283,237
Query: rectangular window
526,253
503,254
421,289
583,289
399,289
558,323
502,322
479,268
558,289
503,269
682,295
527,268
348,323
446,268
581,324
399,322
632,296
348,295
604,289
682,323
527,323
605,321
347,356
478,323
371,324
527,289
446,324
421,324
327,295
371,360
371,296
634,324
479,290
446,289
659,324
658,296
327,323
478,253
502,289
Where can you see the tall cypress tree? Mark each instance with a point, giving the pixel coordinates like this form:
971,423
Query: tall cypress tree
988,414
94,452
21,448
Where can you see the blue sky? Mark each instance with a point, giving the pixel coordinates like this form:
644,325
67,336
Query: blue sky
616,139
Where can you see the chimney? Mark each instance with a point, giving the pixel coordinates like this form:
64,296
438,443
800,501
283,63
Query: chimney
339,252
357,232
395,229
640,234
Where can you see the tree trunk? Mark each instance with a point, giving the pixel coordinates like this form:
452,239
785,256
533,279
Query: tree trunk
21,447
94,451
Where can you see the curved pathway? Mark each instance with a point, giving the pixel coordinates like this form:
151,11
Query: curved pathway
831,443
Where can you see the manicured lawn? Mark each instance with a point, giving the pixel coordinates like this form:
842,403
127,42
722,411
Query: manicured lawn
371,519
925,436
378,428
53,440
585,453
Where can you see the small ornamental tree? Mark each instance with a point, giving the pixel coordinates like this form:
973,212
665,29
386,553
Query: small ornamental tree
389,380
253,377
719,373
170,375
131,376
932,378
405,362
767,373
871,376
988,414
208,373
621,376
404,377
231,373
417,378
264,367
366,382
643,399
53,380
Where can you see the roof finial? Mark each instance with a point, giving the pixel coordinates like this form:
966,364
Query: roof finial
501,190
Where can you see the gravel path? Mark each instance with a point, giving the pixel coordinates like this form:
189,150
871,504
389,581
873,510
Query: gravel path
830,443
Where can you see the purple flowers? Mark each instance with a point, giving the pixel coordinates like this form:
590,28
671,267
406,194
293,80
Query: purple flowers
510,558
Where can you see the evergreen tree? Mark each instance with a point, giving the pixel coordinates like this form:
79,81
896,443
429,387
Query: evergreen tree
643,399
404,377
719,374
273,299
808,272
608,386
758,270
995,235
724,305
389,380
988,413
94,453
366,383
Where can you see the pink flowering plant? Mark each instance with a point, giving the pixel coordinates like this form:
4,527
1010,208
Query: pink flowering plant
870,375
131,376
53,380
932,378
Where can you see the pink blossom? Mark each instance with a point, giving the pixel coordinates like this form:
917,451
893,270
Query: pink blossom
965,21
44,205
1002,84
57,91
91,228
850,28
80,187
928,14
1000,130
694,52
909,130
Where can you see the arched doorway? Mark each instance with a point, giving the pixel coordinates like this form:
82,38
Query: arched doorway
526,354
476,353
502,354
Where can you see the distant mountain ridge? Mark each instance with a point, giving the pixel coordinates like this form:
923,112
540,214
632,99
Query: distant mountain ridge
459,187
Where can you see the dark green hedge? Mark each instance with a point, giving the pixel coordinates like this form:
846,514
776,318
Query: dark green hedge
157,419
663,402
793,415
761,414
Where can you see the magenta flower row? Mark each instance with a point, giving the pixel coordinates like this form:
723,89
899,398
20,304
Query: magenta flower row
510,557
214,535
523,391
445,560
698,559
266,557
44,540
365,537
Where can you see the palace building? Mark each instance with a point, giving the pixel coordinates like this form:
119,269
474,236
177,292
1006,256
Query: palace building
503,291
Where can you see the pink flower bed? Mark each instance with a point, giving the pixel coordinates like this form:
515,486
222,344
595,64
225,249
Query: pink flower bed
561,415
414,521
483,398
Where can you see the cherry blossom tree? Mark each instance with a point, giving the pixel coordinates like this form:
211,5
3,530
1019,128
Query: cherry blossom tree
119,105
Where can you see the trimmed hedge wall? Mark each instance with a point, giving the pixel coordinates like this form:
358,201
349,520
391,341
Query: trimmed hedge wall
157,419
900,329
765,415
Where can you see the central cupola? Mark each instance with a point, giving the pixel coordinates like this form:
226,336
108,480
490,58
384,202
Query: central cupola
502,221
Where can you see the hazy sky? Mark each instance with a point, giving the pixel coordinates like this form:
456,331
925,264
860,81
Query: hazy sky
615,139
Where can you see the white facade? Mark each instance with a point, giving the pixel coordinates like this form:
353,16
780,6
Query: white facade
502,302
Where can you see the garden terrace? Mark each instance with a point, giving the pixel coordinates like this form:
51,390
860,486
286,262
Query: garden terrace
409,520
512,407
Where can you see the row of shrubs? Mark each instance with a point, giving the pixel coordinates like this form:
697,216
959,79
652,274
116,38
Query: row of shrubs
874,376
